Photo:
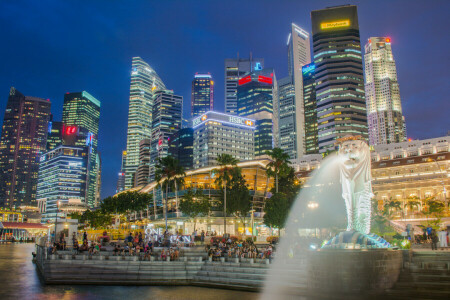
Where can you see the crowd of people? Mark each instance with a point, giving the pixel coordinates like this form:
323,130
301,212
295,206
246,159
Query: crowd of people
232,248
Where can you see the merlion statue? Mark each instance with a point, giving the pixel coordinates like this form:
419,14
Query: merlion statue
356,182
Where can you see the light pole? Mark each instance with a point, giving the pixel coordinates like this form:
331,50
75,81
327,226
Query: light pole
443,182
253,222
56,218
313,205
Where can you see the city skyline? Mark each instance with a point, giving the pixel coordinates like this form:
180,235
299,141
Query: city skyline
416,87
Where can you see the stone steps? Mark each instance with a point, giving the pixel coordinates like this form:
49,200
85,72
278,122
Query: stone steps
243,275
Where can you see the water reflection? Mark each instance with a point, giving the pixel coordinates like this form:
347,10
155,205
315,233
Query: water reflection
20,280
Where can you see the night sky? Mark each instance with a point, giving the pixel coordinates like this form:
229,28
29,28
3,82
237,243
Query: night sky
49,48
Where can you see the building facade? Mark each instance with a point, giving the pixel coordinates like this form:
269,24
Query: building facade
255,101
82,110
310,109
143,171
181,147
341,106
235,68
299,54
54,134
62,177
286,133
202,94
384,107
217,133
23,140
144,81
167,113
414,171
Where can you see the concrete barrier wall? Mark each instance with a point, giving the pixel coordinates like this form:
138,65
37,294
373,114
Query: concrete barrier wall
354,271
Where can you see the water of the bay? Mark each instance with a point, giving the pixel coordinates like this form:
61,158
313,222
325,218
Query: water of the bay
19,279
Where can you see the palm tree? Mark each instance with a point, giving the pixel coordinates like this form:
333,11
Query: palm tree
168,171
411,204
279,164
227,164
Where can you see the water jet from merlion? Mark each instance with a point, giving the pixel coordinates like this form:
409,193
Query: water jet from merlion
337,199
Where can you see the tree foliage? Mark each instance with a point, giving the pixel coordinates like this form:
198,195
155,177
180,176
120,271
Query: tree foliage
277,210
195,204
169,174
279,166
238,195
126,202
96,218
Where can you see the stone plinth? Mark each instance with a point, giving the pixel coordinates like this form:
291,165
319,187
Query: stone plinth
353,271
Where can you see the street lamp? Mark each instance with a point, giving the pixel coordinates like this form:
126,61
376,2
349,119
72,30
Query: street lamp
442,181
313,205
56,217
253,222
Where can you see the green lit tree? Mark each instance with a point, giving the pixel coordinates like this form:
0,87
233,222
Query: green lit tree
195,204
227,164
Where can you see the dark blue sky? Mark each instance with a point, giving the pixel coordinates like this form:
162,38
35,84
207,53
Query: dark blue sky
52,47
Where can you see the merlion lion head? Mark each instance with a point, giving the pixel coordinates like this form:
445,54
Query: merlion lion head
353,153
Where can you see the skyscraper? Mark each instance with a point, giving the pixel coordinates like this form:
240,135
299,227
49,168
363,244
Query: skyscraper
341,106
62,176
384,107
292,126
255,101
144,82
217,133
202,95
121,176
54,135
235,68
81,109
286,132
23,140
143,170
181,147
310,107
167,112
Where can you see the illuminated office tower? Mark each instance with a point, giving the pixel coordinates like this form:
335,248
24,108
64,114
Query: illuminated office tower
62,177
23,140
235,68
217,133
287,135
121,176
292,124
341,106
167,112
143,170
181,147
54,135
310,106
202,95
144,82
384,107
255,101
83,110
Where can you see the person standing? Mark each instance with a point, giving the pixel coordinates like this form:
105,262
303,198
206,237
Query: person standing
434,240
203,237
85,236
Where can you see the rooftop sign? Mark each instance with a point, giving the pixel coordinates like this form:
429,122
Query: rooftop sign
335,24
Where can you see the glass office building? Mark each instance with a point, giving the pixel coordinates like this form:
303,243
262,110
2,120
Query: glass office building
217,133
255,101
23,140
341,105
62,177
82,110
202,95
144,82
